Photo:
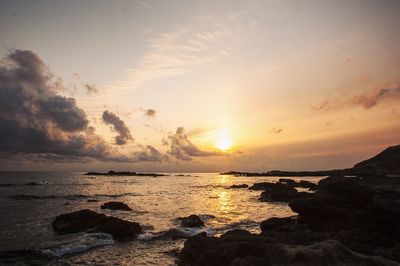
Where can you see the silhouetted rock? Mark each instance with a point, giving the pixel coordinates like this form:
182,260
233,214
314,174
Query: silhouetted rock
87,220
239,186
191,221
116,205
347,221
272,186
25,257
300,184
386,162
114,173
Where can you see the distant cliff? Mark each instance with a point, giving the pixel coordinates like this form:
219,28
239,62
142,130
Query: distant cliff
385,163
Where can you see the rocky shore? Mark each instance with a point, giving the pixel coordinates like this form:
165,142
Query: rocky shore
114,173
347,221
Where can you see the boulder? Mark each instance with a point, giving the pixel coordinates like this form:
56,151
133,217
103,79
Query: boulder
116,205
191,221
87,220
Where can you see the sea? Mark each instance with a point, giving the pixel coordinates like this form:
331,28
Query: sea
29,202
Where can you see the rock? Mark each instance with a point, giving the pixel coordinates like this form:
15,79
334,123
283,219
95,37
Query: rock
241,248
273,224
277,192
87,220
300,184
282,195
239,186
386,162
272,186
250,261
116,205
25,257
191,221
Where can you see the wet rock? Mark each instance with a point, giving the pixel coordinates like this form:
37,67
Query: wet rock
277,192
239,186
300,184
251,249
87,220
271,186
116,205
250,261
282,195
191,221
92,200
24,257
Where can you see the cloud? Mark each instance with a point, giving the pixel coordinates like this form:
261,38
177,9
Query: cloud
177,52
150,113
366,100
375,97
183,149
276,130
124,134
91,89
38,124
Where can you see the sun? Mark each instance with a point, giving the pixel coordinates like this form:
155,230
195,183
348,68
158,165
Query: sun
223,140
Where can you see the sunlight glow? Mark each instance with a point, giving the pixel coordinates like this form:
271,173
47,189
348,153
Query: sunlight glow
223,141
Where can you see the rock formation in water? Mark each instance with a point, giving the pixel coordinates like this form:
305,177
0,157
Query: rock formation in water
87,220
116,205
191,221
347,221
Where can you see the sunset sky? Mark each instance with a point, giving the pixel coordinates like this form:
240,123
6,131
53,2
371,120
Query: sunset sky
197,85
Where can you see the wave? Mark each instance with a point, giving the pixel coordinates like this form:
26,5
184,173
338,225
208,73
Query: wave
239,225
68,197
83,243
7,185
175,233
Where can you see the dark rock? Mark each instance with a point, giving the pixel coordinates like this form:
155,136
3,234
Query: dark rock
250,261
191,221
282,195
274,224
92,200
386,162
24,257
87,220
239,186
272,186
300,184
116,205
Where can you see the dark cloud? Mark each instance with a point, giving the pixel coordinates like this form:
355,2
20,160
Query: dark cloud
150,112
124,134
367,100
276,130
149,153
91,89
183,149
38,124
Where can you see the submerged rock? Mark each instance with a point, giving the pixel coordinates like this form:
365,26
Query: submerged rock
116,205
191,221
239,186
87,220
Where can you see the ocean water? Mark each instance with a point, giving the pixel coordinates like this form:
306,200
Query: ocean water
30,201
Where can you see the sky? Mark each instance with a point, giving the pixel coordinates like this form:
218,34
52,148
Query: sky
197,86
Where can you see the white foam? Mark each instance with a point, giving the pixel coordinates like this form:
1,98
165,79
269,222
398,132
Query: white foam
83,243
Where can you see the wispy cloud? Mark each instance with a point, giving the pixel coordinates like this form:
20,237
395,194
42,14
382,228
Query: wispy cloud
276,130
175,53
365,100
